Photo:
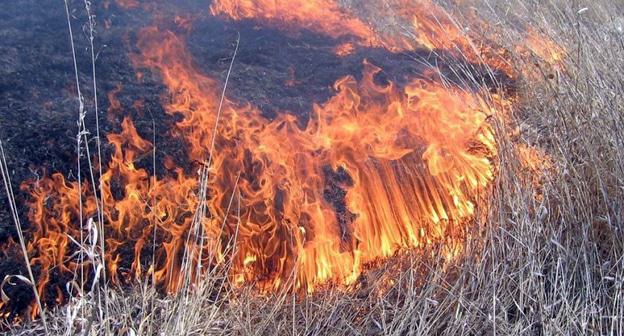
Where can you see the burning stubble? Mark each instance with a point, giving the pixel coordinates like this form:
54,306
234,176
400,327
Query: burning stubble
417,155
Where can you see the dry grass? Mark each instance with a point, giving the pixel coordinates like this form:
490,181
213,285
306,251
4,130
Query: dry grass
551,264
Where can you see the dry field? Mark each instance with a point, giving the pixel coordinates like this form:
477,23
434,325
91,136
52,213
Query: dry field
546,257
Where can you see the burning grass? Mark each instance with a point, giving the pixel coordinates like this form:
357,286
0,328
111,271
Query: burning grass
543,254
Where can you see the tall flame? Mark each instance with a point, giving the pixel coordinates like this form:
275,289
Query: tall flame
415,156
407,164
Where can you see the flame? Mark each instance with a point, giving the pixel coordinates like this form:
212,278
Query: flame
415,156
127,4
545,49
133,202
344,49
321,16
537,164
429,27
408,163
114,106
544,53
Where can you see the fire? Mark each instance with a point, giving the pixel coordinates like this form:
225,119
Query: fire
127,4
134,203
409,164
344,49
547,55
114,107
425,25
545,49
415,156
321,16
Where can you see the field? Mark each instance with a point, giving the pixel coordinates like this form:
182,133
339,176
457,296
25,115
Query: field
545,256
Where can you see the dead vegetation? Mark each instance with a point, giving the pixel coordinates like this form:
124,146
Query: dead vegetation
547,257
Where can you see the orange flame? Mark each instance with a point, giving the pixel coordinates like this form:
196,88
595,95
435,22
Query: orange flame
114,106
546,49
408,163
321,16
127,4
344,49
542,52
415,157
428,26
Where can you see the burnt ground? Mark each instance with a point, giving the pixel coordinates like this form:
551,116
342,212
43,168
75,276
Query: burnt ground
38,100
